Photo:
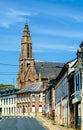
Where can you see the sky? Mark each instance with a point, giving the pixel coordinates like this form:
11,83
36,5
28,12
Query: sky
56,28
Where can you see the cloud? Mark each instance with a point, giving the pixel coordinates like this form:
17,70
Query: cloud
78,18
63,12
59,32
15,13
11,16
72,48
37,50
47,47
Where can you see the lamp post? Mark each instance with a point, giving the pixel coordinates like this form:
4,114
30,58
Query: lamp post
67,113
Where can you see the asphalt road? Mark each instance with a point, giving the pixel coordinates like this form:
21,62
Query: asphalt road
20,123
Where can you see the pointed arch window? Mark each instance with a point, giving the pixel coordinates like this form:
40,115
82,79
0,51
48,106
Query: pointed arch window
21,68
28,51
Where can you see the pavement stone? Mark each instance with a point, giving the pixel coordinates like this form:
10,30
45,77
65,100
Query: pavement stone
49,124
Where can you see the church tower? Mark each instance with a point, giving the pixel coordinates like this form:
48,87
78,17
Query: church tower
26,59
26,44
31,71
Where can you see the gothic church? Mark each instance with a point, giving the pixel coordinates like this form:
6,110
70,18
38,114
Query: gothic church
31,71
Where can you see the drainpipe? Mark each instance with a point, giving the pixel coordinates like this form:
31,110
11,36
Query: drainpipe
67,113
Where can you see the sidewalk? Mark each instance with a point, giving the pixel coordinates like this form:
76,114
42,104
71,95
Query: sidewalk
50,125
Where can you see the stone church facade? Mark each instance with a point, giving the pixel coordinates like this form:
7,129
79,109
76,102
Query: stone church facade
27,73
31,71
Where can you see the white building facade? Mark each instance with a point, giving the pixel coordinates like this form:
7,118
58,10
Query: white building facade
8,102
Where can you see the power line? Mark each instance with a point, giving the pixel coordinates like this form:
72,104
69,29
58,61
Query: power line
8,64
8,74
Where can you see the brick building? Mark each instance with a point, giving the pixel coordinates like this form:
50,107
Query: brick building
30,100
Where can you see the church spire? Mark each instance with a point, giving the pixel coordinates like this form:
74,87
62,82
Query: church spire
26,43
26,58
26,37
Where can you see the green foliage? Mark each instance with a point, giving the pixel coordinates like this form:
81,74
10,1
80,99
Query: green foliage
6,86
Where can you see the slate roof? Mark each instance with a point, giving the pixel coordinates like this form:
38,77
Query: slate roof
48,69
6,91
34,87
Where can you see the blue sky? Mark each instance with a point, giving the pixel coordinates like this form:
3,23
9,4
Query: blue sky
56,28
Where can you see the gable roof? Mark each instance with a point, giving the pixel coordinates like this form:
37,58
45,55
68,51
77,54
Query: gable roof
34,87
48,69
67,68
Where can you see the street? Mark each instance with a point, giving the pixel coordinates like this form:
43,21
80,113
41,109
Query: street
20,123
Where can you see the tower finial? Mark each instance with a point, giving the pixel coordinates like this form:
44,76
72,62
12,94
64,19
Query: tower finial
26,23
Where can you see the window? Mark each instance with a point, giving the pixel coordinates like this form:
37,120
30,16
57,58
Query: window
6,101
28,51
40,108
21,68
4,110
9,101
33,97
21,98
27,64
33,108
14,109
28,97
77,82
1,101
14,100
39,97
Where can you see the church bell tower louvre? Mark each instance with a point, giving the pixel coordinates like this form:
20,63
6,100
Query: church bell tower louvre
26,61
